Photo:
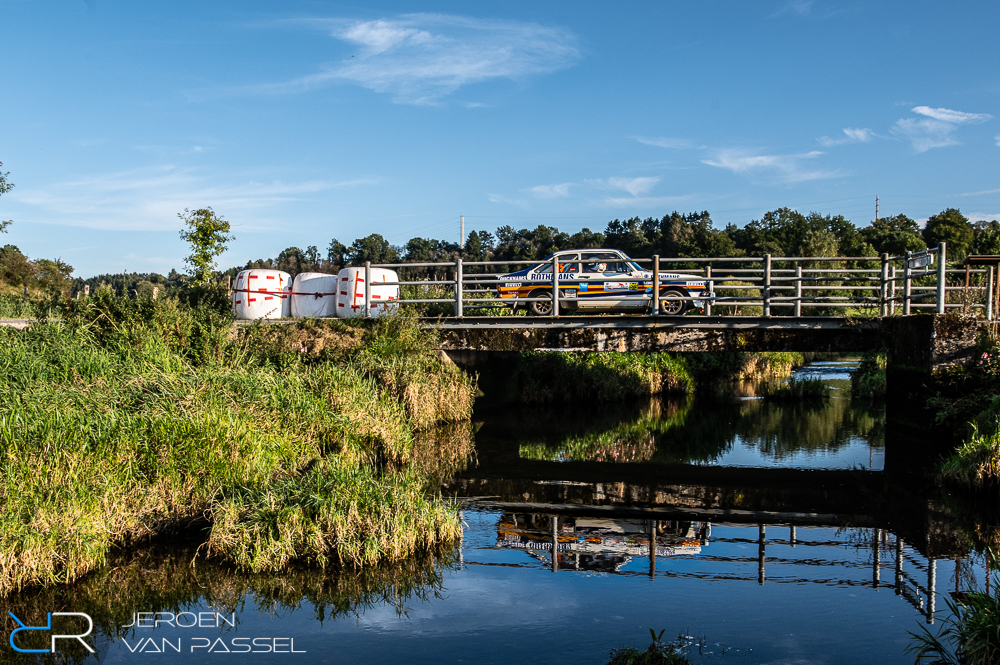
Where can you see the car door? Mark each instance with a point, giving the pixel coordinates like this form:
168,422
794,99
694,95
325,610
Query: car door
569,276
597,279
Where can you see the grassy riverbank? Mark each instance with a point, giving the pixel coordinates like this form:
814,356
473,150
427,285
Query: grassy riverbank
135,418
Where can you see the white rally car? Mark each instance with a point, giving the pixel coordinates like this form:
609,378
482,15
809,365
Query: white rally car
601,280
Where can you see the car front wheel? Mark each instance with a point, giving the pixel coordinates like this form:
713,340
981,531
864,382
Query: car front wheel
671,303
541,307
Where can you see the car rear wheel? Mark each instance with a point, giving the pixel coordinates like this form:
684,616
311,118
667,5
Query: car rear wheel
671,303
541,307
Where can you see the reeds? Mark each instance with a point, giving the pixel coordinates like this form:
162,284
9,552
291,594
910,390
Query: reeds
970,635
975,465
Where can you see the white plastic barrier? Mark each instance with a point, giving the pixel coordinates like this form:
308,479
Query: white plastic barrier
262,294
314,294
351,292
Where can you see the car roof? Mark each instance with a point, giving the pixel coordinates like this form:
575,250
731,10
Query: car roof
589,249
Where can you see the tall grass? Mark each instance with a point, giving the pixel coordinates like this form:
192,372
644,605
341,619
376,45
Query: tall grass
975,465
137,418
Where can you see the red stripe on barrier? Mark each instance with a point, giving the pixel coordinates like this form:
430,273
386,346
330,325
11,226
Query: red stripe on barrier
270,276
251,300
252,277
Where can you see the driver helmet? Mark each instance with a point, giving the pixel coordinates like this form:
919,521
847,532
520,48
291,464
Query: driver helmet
602,267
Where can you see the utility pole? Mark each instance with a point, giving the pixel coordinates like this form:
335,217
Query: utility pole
876,207
461,232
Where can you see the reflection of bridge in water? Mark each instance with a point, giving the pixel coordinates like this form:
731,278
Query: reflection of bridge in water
607,544
549,503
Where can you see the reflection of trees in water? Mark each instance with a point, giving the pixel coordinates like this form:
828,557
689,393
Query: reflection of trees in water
776,430
172,580
689,431
782,430
633,441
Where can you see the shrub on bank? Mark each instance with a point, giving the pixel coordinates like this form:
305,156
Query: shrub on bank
868,381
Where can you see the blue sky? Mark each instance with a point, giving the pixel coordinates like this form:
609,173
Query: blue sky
304,121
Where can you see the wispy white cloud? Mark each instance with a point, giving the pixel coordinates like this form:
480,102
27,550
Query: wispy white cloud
421,58
850,136
633,202
500,198
796,7
982,193
984,216
947,115
776,168
149,199
664,142
551,191
634,186
997,139
936,129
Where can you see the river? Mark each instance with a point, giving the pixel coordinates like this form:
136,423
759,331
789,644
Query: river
748,531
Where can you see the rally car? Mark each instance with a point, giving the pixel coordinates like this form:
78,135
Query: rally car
600,280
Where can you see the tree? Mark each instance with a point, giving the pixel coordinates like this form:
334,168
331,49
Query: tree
373,248
15,268
53,275
479,246
952,227
5,186
336,253
207,233
895,235
987,237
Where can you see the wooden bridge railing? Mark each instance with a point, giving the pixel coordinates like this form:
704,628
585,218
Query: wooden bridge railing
882,286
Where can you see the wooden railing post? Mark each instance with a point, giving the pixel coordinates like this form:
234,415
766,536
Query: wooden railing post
942,257
907,284
458,288
766,296
555,286
798,291
656,285
368,289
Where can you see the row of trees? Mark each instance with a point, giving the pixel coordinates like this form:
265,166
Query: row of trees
781,232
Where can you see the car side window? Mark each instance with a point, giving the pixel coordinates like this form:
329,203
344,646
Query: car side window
599,262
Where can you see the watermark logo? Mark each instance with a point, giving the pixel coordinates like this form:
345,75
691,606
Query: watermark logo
48,627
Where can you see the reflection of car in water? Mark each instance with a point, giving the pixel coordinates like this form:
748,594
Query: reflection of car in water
591,280
601,544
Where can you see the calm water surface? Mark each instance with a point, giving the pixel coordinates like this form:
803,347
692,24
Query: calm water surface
774,540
